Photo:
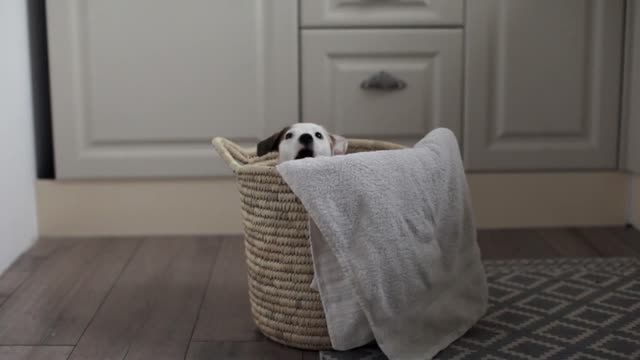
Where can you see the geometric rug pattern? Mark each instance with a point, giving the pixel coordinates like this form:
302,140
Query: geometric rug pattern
564,309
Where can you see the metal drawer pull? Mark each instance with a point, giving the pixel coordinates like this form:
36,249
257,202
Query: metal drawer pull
383,81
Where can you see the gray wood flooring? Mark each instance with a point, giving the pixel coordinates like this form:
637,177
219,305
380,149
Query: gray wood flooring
186,297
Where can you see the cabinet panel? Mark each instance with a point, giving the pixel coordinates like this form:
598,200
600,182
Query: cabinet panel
543,84
358,13
140,87
424,65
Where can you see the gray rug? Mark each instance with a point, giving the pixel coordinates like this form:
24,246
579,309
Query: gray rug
564,309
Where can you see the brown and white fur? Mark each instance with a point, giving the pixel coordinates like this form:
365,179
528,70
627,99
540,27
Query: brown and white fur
303,140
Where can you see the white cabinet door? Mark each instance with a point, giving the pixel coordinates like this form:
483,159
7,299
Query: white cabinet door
360,13
139,87
542,84
422,71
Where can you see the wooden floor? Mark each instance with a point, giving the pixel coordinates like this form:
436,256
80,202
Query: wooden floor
176,298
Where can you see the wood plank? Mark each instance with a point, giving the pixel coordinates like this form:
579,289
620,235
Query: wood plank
248,350
489,249
15,275
226,313
48,246
58,301
629,236
27,263
35,352
566,243
151,312
604,241
310,355
513,243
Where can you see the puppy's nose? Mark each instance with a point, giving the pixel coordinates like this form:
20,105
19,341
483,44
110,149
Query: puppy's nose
306,139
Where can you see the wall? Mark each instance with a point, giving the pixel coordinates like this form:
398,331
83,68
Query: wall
18,223
631,104
630,131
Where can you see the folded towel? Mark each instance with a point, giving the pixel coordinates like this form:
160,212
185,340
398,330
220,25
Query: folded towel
394,250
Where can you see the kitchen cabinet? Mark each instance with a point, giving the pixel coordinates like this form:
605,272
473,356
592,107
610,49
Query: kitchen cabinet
542,84
393,85
139,87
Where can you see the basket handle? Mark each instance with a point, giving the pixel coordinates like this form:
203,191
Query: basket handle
233,154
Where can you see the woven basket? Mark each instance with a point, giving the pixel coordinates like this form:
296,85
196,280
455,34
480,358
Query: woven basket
284,306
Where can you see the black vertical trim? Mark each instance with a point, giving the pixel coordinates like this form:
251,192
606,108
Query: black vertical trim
37,24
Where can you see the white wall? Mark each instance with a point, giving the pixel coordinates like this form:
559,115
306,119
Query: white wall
630,132
18,225
632,102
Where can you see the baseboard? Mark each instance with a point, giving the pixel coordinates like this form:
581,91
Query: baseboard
634,203
211,206
138,207
549,199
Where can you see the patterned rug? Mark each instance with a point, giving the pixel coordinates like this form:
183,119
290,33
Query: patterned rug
564,309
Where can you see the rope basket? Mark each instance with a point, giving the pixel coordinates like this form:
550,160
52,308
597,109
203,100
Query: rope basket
284,306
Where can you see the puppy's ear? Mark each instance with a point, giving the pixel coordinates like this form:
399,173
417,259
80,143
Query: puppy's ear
271,143
338,145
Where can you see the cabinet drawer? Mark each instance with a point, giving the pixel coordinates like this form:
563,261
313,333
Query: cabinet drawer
381,12
394,85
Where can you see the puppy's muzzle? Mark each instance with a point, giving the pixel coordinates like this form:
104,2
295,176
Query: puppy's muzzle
307,151
306,139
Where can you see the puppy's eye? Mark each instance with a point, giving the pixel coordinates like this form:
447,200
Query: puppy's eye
288,136
319,135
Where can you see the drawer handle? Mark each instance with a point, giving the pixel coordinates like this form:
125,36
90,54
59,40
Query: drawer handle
383,81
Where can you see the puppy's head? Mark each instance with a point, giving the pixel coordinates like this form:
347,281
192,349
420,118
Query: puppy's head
303,140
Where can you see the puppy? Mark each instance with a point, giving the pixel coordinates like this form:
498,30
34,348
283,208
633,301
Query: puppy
301,141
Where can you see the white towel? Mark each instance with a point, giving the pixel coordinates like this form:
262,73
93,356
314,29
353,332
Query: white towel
395,250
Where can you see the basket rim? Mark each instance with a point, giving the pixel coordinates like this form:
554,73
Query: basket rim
257,162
